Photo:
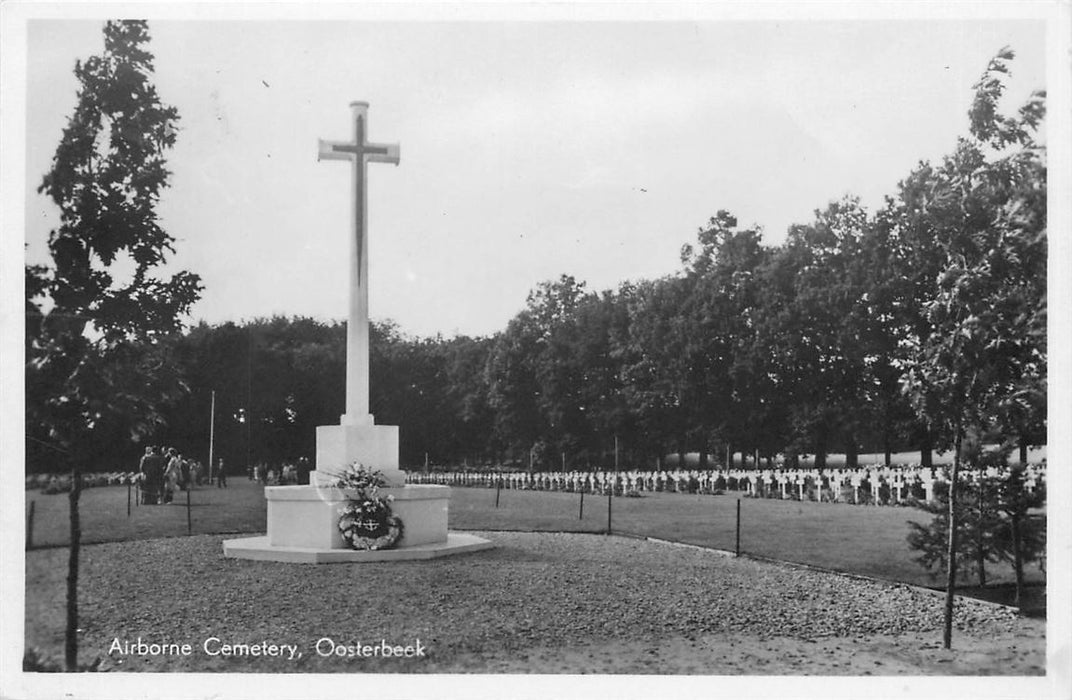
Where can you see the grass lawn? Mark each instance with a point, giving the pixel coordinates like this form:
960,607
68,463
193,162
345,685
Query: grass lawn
103,512
866,540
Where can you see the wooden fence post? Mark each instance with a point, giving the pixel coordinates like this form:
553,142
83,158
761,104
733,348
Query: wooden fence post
29,525
737,548
610,496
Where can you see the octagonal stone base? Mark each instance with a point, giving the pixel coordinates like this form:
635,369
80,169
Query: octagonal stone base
303,527
308,516
258,548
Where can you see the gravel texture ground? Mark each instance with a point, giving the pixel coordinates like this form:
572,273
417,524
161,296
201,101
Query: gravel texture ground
537,603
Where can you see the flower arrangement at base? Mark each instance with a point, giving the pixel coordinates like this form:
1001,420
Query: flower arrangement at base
366,522
369,524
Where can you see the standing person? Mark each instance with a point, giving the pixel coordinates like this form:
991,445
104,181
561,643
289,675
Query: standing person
184,474
303,471
143,479
171,474
152,476
221,476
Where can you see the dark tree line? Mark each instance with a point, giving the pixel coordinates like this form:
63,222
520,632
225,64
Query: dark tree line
854,335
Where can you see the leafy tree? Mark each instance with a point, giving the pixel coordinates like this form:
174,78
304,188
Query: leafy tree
984,364
513,387
993,524
1020,538
879,320
737,400
814,323
410,390
211,358
468,411
533,375
278,379
559,363
275,380
659,370
976,521
907,284
600,324
91,362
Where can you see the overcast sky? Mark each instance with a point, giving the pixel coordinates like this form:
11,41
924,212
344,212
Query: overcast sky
529,149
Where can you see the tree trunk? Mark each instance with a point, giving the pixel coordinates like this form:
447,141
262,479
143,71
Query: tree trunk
703,459
71,647
926,459
852,454
980,552
1023,450
1017,556
820,448
887,448
951,552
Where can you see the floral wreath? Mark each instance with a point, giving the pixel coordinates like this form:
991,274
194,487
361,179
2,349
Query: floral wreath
366,522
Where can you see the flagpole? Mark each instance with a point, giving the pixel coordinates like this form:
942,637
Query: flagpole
211,434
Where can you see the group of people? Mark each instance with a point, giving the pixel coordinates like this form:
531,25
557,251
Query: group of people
164,471
281,475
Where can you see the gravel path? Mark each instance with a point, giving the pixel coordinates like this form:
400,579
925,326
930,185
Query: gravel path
539,603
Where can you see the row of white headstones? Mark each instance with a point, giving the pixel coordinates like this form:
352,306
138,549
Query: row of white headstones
903,483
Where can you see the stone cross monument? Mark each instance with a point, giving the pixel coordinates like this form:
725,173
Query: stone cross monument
357,438
303,520
359,153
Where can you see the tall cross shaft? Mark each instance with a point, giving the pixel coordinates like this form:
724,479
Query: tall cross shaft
360,152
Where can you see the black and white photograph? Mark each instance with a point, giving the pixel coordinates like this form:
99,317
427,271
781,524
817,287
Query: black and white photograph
571,349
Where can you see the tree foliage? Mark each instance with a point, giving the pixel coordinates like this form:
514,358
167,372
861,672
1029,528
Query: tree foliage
982,364
994,521
97,369
96,316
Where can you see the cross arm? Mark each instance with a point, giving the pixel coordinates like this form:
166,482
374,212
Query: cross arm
391,154
326,151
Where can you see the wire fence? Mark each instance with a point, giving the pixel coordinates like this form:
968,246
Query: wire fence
868,541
